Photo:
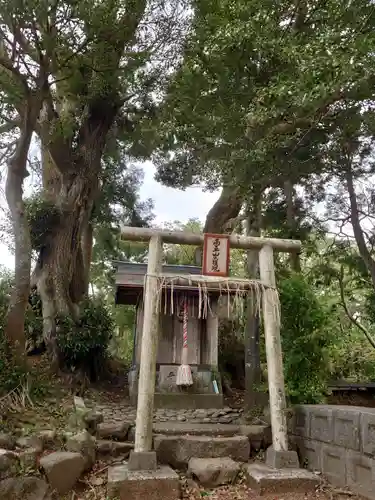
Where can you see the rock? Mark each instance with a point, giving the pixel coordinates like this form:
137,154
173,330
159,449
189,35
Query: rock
176,451
181,418
29,458
84,444
200,413
63,469
212,472
8,463
35,442
92,420
24,488
115,448
7,441
227,419
118,430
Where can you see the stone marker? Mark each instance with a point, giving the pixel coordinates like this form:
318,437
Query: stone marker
160,484
84,444
212,472
24,488
268,480
63,469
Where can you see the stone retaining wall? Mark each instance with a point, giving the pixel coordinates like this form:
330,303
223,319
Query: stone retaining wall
338,441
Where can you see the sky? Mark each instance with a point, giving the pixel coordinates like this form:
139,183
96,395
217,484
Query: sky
169,205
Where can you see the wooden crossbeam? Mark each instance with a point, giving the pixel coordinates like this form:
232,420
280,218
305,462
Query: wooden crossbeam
189,238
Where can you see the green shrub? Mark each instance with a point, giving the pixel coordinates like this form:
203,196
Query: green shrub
43,216
306,341
122,342
84,345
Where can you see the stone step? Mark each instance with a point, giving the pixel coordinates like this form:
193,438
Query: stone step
192,429
176,451
265,479
260,436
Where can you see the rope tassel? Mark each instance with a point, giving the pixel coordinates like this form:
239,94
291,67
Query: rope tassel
184,377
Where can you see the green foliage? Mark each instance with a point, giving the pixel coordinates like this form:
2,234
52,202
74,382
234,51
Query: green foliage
123,339
182,254
5,289
251,99
306,341
43,217
84,345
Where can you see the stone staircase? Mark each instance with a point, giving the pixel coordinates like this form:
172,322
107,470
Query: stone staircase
212,454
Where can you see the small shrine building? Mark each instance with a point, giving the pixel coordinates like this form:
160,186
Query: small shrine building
205,304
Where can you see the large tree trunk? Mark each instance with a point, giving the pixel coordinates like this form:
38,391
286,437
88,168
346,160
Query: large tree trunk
62,273
356,224
15,321
289,194
87,241
252,351
17,172
51,177
227,207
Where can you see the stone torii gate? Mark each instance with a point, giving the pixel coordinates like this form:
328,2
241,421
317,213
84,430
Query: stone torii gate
278,455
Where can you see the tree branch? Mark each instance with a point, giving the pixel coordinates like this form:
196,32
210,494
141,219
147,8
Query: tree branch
348,313
356,224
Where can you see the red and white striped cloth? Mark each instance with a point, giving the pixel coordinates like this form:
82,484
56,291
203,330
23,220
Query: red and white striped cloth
184,376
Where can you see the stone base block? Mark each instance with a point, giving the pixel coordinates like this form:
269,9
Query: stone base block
281,459
264,479
161,484
142,461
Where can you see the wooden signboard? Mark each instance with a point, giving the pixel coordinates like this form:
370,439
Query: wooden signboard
216,255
